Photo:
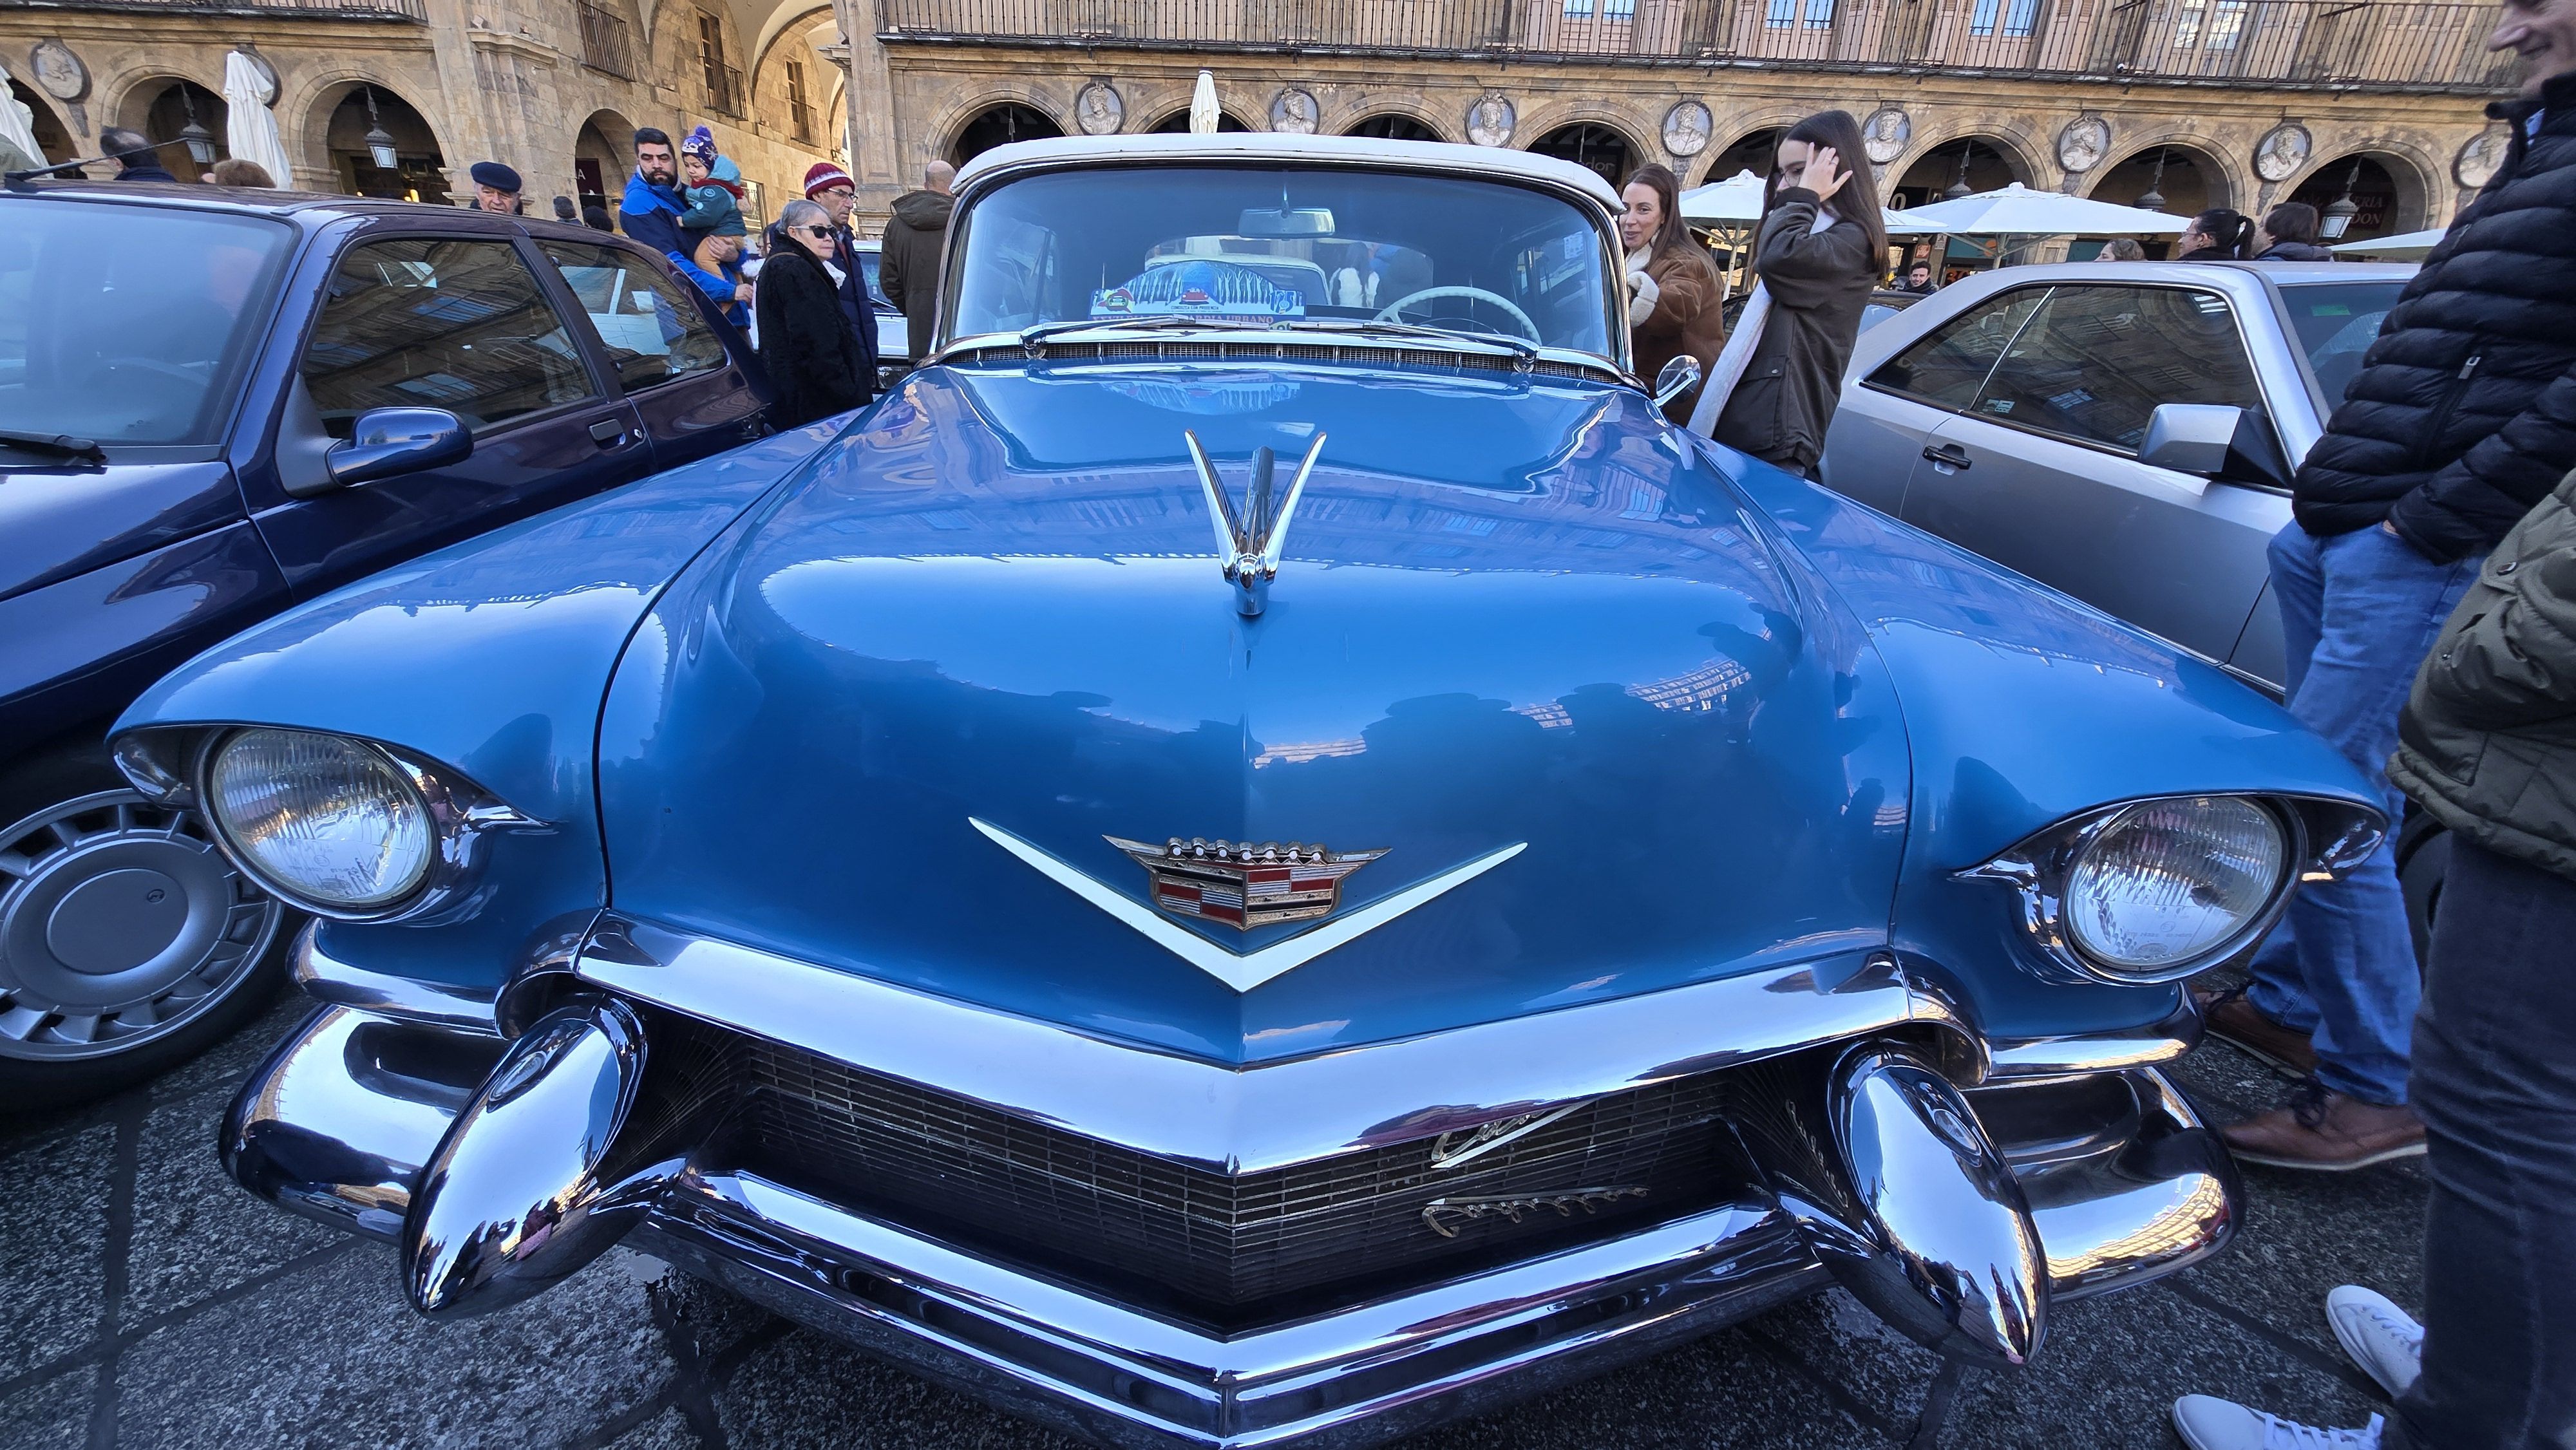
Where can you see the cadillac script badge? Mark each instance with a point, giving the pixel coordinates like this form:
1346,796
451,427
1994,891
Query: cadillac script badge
1244,885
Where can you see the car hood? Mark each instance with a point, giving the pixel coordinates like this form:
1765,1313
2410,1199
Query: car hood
1518,617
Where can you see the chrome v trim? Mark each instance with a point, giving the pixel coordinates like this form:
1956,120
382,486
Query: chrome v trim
1243,971
1249,1117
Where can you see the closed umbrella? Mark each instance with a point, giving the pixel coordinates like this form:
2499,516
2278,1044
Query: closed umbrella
1203,108
249,127
13,122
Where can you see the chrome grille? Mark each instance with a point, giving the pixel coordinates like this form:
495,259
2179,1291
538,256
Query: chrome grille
1088,1208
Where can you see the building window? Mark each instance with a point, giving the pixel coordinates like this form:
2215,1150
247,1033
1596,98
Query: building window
1610,9
2020,17
800,113
1812,14
2209,24
724,84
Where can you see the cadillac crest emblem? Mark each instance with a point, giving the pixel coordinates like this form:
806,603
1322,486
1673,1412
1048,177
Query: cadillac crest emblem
1244,885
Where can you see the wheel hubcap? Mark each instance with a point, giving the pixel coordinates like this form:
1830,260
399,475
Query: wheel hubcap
119,923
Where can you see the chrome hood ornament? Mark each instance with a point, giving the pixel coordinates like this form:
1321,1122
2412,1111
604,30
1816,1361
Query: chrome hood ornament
1248,544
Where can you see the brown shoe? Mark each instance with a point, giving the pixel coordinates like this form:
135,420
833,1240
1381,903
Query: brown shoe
2231,1015
2327,1132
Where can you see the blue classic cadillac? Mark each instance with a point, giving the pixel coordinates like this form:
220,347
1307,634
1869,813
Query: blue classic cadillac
1547,887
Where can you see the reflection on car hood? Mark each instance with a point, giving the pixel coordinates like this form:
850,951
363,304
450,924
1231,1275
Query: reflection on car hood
1513,612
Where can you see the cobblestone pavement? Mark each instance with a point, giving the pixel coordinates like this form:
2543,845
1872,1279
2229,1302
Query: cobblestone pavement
147,1302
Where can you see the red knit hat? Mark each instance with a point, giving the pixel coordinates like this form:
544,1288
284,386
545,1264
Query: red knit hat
823,176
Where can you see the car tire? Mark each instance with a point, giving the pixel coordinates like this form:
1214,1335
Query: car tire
2423,859
128,944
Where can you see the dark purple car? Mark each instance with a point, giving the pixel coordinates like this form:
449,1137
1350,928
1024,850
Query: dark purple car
216,403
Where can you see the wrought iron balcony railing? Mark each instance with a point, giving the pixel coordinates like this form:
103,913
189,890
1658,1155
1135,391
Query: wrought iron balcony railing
2380,45
411,10
603,41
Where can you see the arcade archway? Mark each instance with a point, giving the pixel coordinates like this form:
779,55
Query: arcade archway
2389,194
360,110
1956,168
999,126
2181,180
1755,152
602,154
1589,144
1178,123
1393,127
163,111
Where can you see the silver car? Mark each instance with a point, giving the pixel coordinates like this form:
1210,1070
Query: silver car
2125,433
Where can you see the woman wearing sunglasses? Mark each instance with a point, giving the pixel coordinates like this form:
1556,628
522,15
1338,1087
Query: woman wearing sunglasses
813,357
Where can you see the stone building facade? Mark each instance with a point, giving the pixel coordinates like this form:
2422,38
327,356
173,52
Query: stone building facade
554,88
2197,102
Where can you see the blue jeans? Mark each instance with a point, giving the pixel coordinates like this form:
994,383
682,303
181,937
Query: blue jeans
2358,613
2495,1080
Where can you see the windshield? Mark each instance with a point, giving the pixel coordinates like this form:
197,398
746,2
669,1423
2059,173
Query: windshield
2335,323
1287,247
129,324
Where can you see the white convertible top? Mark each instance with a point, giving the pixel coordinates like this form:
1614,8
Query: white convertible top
1274,146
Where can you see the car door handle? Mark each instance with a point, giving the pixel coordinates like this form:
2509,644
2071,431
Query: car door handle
1949,455
608,432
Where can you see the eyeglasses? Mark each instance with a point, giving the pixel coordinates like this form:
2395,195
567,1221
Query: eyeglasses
825,232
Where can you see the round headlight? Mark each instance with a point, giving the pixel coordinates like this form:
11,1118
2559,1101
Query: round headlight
325,819
2167,882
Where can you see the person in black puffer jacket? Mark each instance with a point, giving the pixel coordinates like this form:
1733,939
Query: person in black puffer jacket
2462,417
2289,234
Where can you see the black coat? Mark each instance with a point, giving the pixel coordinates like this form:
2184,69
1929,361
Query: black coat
856,305
2464,413
1819,283
2294,252
813,356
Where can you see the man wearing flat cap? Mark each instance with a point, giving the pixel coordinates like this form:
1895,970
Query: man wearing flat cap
496,188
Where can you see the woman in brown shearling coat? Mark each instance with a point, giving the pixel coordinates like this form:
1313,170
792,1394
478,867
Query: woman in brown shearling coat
1674,294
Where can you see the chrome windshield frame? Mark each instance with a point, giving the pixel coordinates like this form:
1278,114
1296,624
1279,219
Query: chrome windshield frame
960,230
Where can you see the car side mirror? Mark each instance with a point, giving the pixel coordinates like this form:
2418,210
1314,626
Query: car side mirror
1676,378
392,441
2214,441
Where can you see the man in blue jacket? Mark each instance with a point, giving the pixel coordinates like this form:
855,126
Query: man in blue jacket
650,211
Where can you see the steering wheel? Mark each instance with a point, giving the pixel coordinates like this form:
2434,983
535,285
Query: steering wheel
1388,313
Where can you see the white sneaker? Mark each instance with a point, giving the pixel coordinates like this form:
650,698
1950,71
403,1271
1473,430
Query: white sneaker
2206,1422
2383,1339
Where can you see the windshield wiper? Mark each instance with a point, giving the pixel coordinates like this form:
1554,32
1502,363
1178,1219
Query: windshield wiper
1040,332
61,445
1409,329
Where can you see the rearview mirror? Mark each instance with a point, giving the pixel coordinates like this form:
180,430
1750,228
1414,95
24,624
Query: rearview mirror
1300,221
1676,378
391,441
2214,441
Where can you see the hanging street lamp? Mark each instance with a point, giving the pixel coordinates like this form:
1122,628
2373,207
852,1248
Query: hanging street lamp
2340,212
380,142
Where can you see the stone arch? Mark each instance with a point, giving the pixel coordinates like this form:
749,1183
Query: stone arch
603,143
777,26
1179,121
2196,177
1392,124
1932,166
53,136
997,124
1751,151
416,137
936,136
148,100
2395,191
769,79
1596,142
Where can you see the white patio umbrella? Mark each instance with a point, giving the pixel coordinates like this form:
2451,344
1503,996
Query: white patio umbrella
14,122
1737,202
2404,247
2018,211
250,129
1203,107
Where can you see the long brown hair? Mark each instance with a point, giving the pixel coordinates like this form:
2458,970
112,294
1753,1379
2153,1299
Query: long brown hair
1669,232
1857,202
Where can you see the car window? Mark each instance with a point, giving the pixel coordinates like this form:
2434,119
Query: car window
868,262
454,323
1947,368
653,332
2094,362
2335,323
130,324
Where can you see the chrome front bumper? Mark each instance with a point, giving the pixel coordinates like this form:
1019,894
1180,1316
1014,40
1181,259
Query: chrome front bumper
345,1123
